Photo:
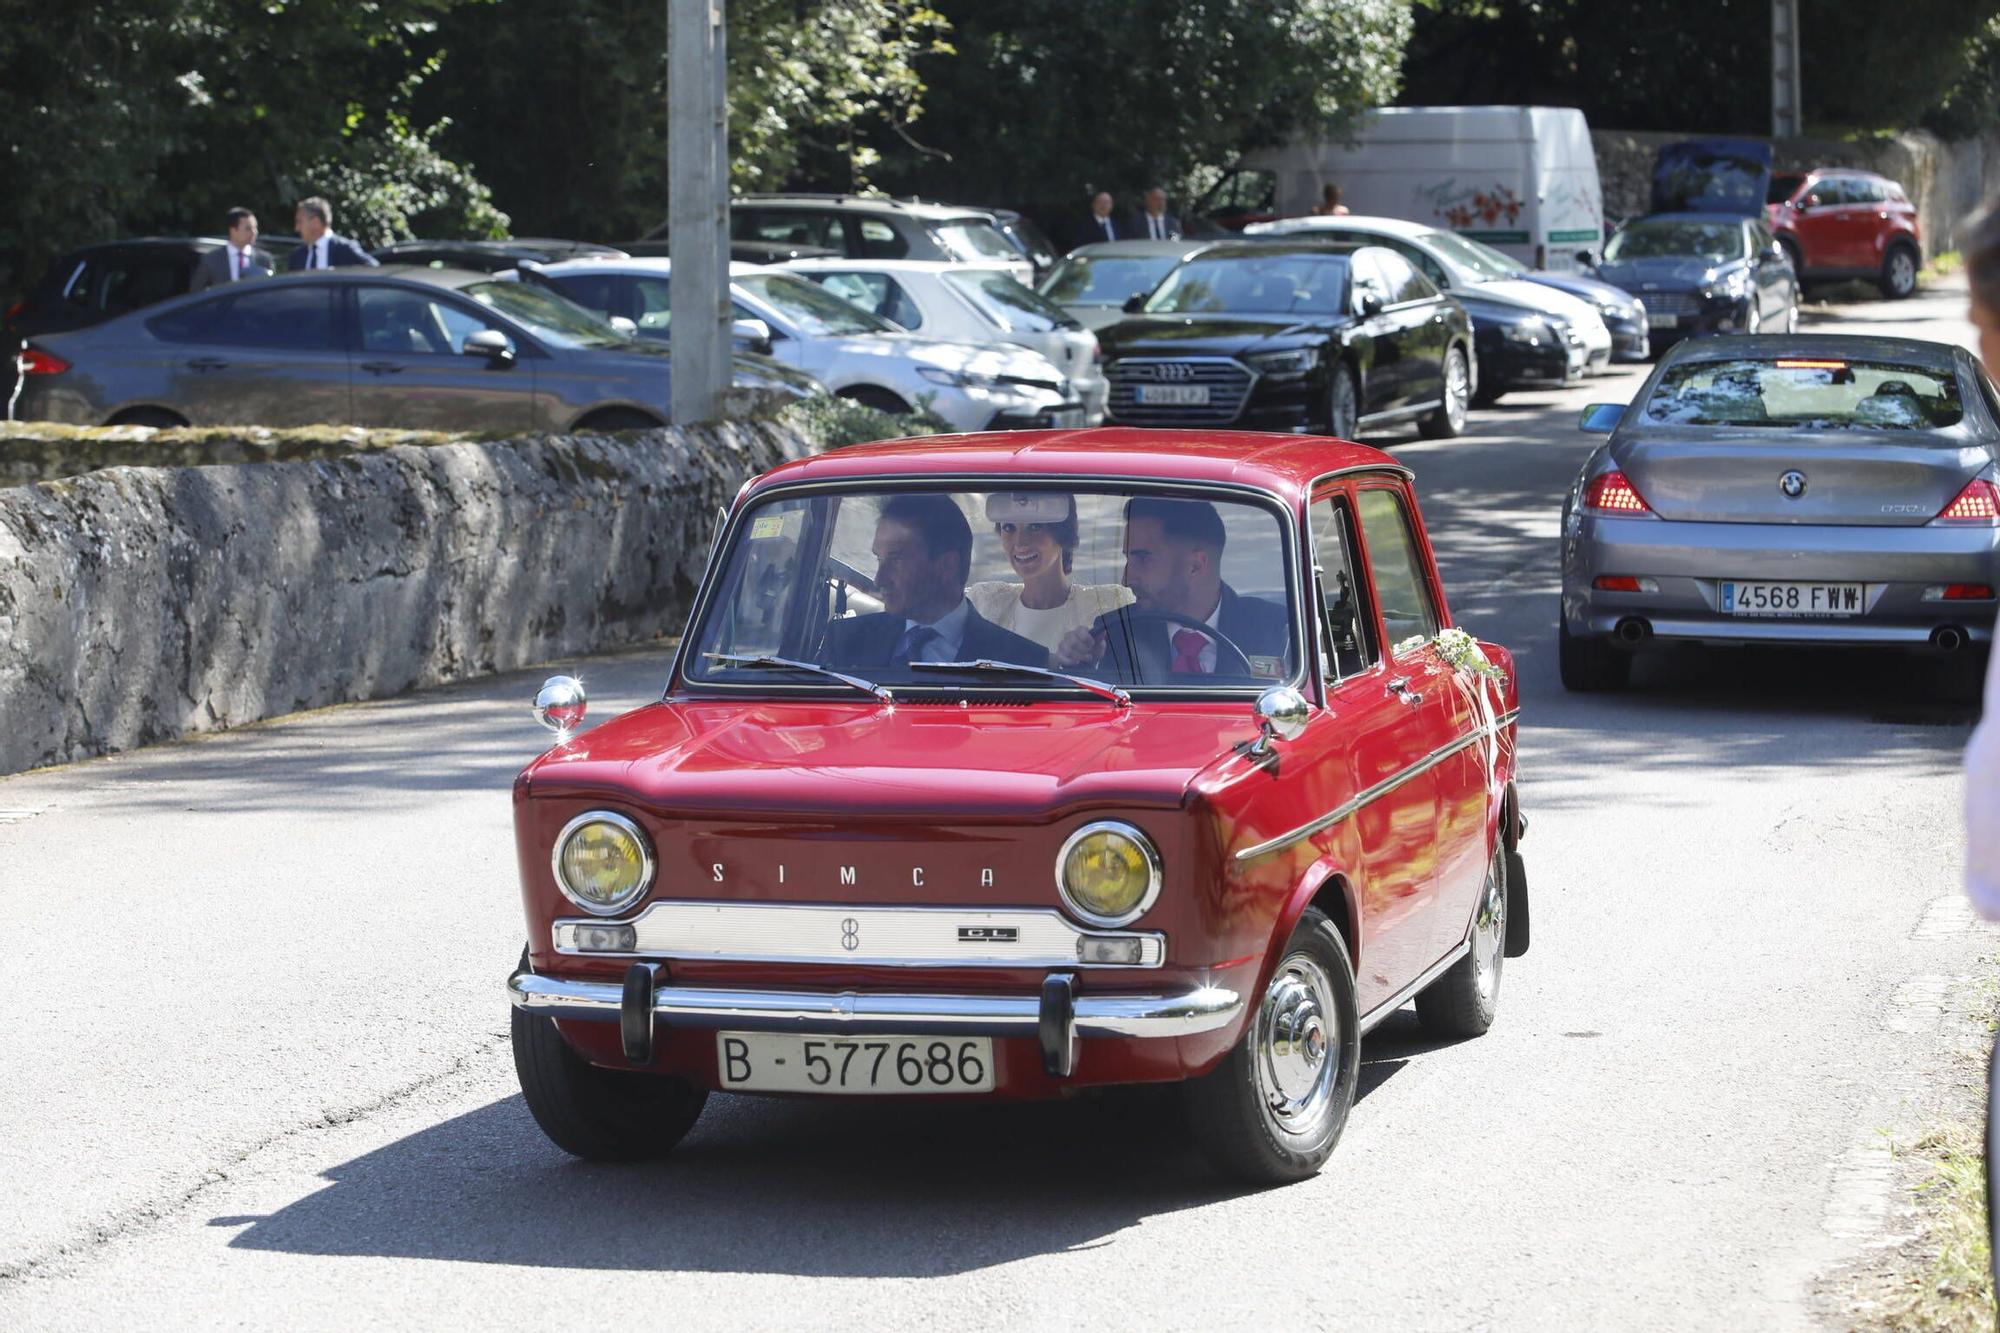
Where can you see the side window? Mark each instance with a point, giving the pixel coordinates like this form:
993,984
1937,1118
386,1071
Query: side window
1396,564
799,226
191,323
76,292
1367,278
277,317
1869,192
1347,630
1828,192
876,239
600,292
650,307
1405,283
409,323
1432,270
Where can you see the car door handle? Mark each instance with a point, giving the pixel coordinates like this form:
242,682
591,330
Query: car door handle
208,363
1400,687
382,367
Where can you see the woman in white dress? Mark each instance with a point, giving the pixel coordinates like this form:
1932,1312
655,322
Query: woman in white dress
1038,532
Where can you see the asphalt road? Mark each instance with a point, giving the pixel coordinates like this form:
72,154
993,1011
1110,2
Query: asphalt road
257,1073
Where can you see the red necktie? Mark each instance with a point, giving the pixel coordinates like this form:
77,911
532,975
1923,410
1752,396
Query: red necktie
1187,651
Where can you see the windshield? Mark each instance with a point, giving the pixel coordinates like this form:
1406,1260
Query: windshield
1013,307
1716,242
816,311
1280,284
550,315
1105,279
1122,585
973,239
1817,393
1479,262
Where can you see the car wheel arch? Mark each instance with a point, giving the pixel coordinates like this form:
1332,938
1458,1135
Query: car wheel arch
1329,888
597,411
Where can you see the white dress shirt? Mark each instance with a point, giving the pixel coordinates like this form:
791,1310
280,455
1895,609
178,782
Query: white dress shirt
316,253
240,263
1982,802
1208,648
1156,227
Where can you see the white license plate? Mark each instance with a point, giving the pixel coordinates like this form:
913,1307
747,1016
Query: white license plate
1174,395
1661,321
782,1062
1794,599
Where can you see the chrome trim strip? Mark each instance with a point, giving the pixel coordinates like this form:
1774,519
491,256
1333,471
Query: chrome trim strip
1379,790
740,932
1389,1006
1151,1016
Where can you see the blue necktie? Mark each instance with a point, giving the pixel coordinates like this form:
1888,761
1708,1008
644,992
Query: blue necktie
908,648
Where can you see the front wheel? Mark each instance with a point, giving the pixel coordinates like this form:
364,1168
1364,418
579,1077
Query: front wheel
1273,1110
1449,420
1462,1002
1899,273
600,1115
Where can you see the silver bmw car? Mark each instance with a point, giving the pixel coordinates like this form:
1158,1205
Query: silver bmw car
1794,489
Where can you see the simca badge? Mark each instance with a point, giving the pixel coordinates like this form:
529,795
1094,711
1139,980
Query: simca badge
1793,484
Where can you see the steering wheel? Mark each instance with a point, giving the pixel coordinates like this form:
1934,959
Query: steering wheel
1151,649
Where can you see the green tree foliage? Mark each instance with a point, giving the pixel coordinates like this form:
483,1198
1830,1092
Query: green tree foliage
1971,105
1047,97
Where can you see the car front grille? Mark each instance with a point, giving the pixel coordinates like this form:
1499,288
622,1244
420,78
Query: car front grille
1670,303
1227,381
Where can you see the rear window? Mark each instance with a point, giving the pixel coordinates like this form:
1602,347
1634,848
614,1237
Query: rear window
973,239
1813,393
1013,307
1106,279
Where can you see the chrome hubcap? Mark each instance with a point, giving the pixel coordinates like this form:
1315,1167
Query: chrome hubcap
1457,389
1296,1045
1489,932
1902,272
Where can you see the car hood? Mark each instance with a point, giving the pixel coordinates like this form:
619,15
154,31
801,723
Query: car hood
1584,289
1542,300
1227,335
1712,176
1664,273
1095,317
832,758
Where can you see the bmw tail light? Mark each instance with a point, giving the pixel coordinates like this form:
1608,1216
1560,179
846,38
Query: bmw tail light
34,361
1978,503
1611,493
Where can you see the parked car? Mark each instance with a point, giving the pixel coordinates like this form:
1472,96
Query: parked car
1467,270
1293,335
418,348
1093,282
1803,490
972,305
867,226
492,256
1836,222
1623,313
831,862
740,252
856,353
1028,239
1703,273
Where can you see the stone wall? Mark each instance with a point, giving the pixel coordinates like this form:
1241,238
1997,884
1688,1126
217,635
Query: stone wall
1946,181
45,451
140,604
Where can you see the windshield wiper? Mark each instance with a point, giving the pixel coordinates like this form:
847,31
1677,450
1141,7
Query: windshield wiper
765,662
1097,687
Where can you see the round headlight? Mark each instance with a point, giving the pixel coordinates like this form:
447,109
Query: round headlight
602,862
1108,873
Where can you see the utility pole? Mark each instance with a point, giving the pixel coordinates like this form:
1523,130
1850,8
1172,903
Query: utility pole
698,209
1787,90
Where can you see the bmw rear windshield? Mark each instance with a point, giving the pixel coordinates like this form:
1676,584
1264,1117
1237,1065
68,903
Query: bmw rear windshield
1806,392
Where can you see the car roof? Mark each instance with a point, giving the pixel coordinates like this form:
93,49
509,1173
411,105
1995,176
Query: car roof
877,203
450,278
1283,465
1115,249
1280,244
900,265
1402,227
646,265
1686,216
1845,346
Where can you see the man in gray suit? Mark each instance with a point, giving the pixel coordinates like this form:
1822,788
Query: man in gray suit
237,261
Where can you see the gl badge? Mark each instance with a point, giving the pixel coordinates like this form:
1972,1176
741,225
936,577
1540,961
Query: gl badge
1793,484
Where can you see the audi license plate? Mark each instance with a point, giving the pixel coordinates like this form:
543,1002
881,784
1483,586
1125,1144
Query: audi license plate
782,1062
1173,395
1794,599
1662,321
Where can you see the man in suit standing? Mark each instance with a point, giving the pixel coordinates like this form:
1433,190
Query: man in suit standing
321,247
237,261
1156,223
1100,226
1173,565
923,555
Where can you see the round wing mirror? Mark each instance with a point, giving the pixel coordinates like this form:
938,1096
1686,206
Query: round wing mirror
1281,715
560,704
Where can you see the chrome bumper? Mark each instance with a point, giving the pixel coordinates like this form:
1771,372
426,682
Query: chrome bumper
1186,1014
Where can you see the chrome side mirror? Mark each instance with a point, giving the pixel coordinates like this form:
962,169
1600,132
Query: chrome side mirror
560,704
1281,715
490,344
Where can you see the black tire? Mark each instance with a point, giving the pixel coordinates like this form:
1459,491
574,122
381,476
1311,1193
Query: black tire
869,395
1232,1112
1449,420
619,418
1590,666
1487,394
1898,280
157,417
1793,257
600,1115
1462,1002
1343,404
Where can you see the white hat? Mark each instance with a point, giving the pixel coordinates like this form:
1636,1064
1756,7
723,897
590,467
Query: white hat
1028,507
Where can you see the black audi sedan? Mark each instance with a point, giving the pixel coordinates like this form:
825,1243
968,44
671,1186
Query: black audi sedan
1298,336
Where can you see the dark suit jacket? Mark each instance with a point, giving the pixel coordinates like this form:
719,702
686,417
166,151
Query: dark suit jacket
863,643
340,253
1140,229
213,269
1259,628
1091,231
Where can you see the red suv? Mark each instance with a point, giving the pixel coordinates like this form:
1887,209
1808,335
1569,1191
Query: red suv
1839,223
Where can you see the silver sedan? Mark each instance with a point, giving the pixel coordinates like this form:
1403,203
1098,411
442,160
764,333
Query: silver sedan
1795,489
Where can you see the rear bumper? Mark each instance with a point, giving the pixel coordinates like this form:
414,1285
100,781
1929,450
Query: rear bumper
1507,365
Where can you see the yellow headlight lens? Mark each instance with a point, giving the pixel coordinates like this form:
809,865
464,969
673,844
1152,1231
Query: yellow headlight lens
603,864
1107,873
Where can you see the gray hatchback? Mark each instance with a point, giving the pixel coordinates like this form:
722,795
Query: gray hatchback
1795,489
406,348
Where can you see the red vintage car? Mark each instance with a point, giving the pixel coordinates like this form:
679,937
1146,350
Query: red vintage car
1012,765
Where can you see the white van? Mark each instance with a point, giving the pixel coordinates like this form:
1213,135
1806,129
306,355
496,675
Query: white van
1520,178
